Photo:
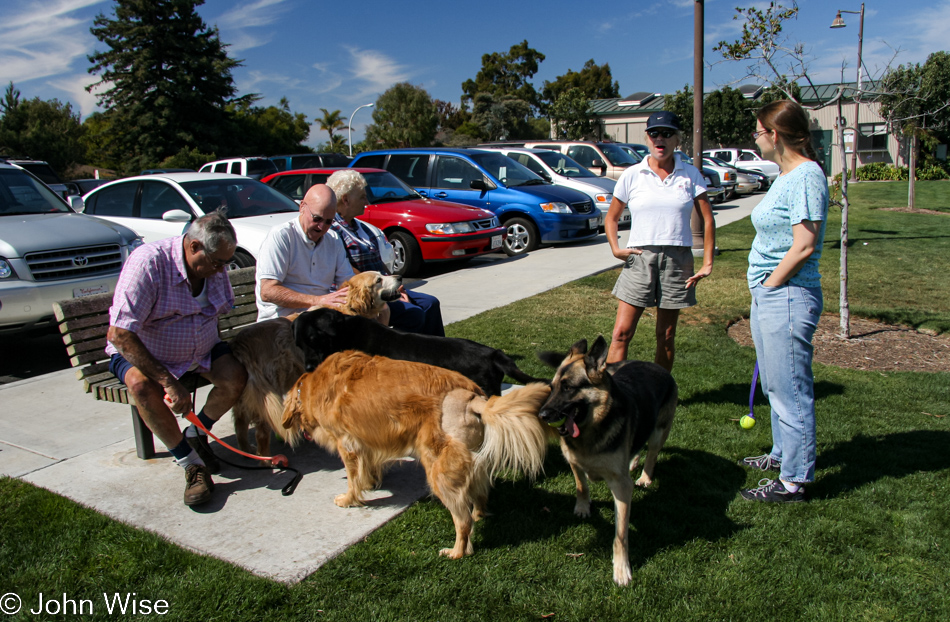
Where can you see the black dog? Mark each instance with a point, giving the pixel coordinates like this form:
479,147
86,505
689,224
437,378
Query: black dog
321,332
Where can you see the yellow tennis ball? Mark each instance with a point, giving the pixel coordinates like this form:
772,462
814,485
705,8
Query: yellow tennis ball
747,422
557,424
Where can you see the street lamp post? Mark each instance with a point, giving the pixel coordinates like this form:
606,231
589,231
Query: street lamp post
350,126
839,23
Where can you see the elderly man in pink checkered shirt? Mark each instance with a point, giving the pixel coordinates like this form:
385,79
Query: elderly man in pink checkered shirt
163,324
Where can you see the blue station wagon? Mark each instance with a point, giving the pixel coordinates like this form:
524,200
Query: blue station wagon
533,210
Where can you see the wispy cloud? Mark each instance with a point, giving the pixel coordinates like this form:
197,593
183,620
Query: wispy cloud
238,27
44,40
374,72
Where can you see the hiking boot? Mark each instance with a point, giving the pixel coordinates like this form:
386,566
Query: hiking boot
773,490
198,484
200,444
761,463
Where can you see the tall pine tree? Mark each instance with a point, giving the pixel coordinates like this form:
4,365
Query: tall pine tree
166,78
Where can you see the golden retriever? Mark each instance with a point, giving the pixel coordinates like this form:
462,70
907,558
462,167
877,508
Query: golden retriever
372,410
368,292
274,362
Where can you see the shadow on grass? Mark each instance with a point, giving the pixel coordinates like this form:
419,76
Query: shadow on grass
735,393
865,459
689,499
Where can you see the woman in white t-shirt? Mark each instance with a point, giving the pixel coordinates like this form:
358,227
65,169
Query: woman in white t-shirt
661,192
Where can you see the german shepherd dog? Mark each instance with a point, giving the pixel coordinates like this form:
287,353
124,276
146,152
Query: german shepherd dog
605,414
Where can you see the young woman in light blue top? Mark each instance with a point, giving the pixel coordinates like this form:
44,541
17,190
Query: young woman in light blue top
786,297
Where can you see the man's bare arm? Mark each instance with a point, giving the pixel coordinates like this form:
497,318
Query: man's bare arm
134,351
274,292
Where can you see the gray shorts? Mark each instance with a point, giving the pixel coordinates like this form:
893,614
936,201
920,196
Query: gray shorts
657,278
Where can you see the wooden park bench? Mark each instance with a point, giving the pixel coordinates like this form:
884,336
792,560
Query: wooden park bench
84,322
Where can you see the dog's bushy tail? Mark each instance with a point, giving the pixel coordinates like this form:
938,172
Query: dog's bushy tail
515,438
289,425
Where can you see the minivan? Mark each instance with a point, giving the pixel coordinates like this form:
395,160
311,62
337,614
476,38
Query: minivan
534,211
601,158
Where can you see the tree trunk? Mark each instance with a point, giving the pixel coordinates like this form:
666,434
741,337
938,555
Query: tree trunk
912,170
844,309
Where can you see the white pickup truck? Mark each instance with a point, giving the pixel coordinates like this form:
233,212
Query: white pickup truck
747,159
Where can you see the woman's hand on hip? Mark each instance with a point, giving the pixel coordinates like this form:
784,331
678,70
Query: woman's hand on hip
623,253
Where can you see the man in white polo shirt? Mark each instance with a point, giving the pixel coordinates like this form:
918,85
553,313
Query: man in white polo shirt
301,261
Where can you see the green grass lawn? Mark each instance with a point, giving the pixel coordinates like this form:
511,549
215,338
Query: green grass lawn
872,543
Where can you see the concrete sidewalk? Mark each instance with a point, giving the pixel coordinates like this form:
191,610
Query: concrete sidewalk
57,437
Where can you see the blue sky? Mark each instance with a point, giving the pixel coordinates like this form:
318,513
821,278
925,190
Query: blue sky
340,55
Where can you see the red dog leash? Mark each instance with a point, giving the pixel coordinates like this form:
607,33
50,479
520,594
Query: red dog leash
279,461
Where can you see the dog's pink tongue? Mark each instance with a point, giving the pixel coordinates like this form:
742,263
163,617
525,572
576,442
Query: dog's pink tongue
572,429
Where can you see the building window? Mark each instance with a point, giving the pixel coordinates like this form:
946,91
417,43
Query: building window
872,137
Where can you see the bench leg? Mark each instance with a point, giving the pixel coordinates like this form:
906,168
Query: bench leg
144,442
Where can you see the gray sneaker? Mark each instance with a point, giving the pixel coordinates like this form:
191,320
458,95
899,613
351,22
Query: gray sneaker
200,444
198,485
761,463
773,491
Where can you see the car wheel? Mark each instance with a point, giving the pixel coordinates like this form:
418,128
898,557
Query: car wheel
522,236
241,260
408,255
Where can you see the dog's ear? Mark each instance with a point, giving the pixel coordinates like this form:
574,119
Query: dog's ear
596,359
579,347
360,295
551,359
307,337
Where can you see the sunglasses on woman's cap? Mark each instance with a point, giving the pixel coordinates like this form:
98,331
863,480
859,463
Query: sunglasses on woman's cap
663,133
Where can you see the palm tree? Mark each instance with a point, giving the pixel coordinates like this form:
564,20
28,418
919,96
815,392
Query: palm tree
331,122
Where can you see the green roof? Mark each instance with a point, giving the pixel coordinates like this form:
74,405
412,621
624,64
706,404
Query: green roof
821,92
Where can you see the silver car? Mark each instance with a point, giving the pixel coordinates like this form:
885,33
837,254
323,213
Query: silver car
50,253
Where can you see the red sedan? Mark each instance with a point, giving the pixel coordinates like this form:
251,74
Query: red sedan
419,229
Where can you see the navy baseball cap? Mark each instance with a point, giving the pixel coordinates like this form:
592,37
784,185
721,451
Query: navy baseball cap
664,119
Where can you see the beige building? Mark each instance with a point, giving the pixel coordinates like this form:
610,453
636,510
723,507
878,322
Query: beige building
624,120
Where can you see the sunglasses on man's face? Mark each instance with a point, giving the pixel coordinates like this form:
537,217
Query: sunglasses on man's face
663,133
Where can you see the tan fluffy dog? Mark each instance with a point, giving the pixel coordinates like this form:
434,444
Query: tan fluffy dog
368,292
372,410
273,361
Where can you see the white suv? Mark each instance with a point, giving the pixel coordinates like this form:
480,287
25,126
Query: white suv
255,168
50,253
747,159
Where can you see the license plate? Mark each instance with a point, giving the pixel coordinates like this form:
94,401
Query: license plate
496,241
79,292
593,223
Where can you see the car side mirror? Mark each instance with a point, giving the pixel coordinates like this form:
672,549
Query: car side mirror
598,163
76,203
480,184
544,175
176,215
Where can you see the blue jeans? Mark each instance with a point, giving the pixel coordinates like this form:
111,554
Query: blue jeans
783,320
423,314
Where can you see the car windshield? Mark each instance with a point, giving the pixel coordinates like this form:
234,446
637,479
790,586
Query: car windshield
617,156
384,187
562,164
506,170
632,152
242,197
717,161
22,194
